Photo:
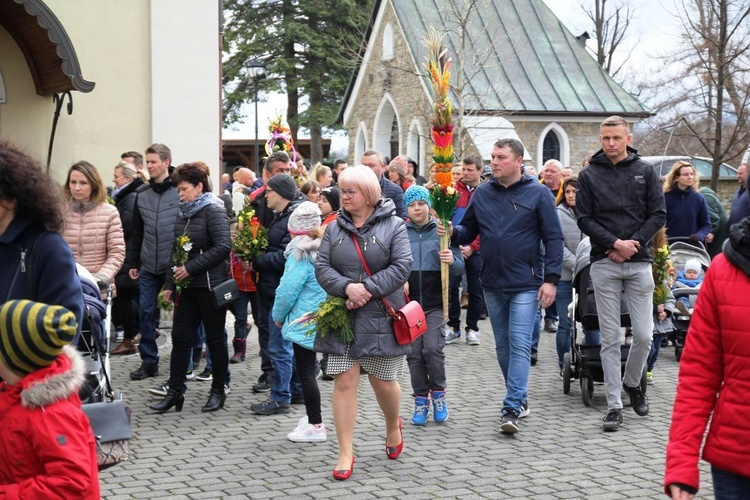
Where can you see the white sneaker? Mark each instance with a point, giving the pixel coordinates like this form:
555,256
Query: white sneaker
472,337
308,434
301,424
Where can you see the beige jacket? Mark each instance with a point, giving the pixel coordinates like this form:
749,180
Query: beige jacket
94,233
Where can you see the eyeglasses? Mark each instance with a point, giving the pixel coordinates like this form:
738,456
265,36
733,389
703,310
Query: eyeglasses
269,191
348,193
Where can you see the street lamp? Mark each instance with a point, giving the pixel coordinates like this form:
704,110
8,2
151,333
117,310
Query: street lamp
256,71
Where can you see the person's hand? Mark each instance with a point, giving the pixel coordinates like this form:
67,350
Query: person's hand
446,256
357,296
441,229
406,288
133,273
466,251
662,316
627,248
710,238
180,273
278,324
616,256
546,295
167,294
679,494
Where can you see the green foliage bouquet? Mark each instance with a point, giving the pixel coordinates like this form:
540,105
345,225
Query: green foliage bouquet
331,318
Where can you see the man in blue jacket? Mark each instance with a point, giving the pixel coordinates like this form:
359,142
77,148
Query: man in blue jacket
376,162
620,207
515,217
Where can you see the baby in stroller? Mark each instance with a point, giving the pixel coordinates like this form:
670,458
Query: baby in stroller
690,277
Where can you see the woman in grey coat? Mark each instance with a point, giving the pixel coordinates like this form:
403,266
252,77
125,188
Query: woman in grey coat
385,245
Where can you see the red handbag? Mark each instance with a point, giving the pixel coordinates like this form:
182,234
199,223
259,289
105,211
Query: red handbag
409,322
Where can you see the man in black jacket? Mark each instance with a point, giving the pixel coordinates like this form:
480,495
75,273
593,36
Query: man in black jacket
388,189
280,196
620,207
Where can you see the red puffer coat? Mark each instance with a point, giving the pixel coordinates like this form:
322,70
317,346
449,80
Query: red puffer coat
47,448
716,360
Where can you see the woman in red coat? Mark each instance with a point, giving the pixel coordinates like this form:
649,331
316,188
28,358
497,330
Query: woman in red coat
713,381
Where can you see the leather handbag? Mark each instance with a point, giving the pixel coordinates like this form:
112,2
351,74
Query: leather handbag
110,422
224,293
409,322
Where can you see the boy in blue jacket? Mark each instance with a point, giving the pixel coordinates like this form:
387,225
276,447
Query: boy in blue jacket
426,359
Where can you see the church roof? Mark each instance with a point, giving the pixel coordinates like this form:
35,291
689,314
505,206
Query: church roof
521,59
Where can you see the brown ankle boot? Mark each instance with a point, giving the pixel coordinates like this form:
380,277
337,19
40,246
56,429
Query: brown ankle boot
239,351
127,346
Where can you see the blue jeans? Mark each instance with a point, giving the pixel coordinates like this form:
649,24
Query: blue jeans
149,285
512,318
473,268
537,330
730,486
285,383
591,337
654,354
563,299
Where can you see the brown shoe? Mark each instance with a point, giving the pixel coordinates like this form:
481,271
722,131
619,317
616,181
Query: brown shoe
464,300
126,347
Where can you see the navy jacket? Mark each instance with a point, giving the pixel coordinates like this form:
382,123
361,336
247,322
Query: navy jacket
270,265
623,201
393,191
687,213
53,269
514,224
425,284
740,206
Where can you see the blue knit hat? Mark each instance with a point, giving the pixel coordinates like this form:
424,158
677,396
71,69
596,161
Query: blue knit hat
415,193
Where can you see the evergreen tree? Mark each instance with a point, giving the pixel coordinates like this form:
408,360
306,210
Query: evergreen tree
309,47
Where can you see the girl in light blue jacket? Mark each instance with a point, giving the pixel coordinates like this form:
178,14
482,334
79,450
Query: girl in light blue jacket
299,293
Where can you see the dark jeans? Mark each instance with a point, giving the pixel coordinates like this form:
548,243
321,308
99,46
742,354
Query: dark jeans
730,486
473,268
654,354
306,362
150,285
125,307
193,306
239,309
261,322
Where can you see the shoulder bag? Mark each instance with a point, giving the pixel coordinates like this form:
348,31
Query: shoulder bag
409,322
225,292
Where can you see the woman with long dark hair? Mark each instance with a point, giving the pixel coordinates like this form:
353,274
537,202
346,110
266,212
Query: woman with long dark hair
201,218
31,249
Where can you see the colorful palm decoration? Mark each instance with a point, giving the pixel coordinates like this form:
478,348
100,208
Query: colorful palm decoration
443,195
281,138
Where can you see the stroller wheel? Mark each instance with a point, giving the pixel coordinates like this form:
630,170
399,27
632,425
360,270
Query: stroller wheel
587,390
566,374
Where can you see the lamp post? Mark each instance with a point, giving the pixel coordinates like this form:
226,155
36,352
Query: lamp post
257,72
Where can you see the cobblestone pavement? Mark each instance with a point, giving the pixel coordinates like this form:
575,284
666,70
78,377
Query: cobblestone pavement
560,451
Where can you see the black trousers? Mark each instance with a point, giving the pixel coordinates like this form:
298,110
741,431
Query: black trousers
306,359
194,306
125,309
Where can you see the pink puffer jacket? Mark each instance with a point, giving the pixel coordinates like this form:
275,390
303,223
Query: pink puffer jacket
94,233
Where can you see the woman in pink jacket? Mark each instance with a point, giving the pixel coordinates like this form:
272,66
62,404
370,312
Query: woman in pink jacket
713,382
92,226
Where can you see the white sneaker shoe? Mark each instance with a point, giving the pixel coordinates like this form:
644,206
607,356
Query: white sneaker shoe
301,424
472,337
308,434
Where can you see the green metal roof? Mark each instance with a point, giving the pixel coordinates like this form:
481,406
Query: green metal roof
524,59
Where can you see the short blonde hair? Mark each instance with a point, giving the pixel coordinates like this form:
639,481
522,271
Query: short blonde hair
128,170
364,179
614,121
670,181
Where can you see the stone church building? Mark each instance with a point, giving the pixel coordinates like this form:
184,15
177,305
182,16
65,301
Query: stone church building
516,72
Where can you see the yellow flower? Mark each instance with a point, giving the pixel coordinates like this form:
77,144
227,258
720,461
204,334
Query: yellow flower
450,191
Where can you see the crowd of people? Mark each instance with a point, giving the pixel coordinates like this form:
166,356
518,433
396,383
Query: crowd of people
367,236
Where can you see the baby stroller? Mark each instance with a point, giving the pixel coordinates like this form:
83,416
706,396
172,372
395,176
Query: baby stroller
681,251
583,362
93,343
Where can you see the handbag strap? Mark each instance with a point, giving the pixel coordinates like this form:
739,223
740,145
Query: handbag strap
390,309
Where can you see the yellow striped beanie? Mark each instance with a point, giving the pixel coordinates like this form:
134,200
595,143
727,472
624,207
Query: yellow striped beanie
32,335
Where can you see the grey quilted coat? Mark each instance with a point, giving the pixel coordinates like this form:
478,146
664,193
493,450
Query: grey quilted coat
386,248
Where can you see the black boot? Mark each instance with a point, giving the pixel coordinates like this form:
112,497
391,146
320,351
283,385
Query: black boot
239,350
215,400
146,370
173,398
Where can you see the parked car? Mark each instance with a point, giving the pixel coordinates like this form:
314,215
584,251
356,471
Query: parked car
663,164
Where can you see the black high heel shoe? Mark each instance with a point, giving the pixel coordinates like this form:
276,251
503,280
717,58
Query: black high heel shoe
215,400
172,399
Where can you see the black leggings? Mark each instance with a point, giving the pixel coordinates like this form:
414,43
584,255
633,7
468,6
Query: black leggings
306,359
126,309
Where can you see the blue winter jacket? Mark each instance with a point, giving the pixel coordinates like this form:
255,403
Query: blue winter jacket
299,292
687,213
425,284
514,223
